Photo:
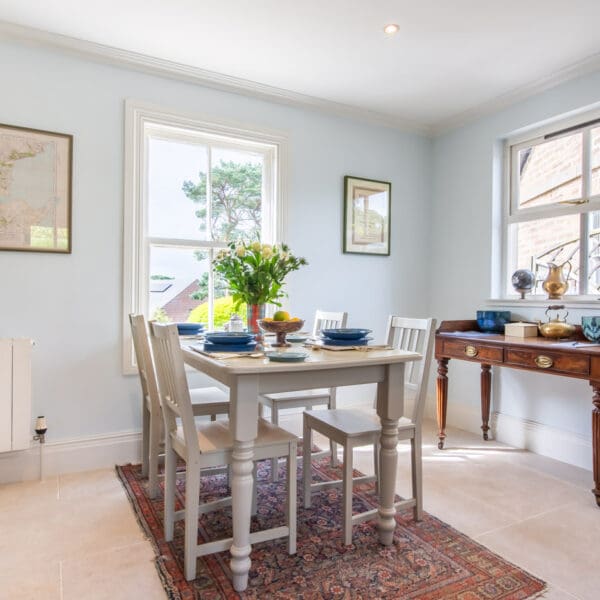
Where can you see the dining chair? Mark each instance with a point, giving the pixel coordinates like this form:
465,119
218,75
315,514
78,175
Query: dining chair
207,401
353,429
203,446
306,399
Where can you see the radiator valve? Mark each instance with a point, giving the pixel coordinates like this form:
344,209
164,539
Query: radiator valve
40,429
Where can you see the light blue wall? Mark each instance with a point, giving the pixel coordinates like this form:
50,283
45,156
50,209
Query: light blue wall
71,305
462,207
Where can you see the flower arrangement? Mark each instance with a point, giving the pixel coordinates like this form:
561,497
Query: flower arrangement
255,272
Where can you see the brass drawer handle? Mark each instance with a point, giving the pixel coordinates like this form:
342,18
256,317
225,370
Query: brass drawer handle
471,351
543,362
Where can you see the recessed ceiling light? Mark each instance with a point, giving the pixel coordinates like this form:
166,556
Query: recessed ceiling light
391,29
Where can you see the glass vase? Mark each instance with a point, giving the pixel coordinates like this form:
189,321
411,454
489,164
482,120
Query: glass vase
255,312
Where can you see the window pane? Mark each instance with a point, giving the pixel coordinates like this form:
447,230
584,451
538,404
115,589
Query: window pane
595,138
594,253
550,172
543,241
236,181
178,283
176,189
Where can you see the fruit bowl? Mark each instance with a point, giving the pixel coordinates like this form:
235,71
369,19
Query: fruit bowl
281,328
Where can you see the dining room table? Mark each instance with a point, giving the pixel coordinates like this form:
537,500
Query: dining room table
248,376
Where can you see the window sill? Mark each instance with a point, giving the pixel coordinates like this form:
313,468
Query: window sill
540,302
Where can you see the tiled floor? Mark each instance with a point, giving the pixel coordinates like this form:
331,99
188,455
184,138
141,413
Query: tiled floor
75,536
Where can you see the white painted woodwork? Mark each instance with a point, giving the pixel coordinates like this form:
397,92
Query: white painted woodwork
239,442
306,399
253,376
15,394
352,429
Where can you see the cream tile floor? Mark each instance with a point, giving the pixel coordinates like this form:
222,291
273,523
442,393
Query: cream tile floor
75,536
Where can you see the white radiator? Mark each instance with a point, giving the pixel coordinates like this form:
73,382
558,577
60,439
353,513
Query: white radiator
15,394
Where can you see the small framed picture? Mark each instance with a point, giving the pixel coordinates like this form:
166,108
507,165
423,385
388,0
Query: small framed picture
35,190
367,206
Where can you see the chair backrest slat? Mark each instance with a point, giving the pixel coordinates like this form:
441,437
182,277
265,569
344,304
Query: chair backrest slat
329,320
414,335
145,363
173,388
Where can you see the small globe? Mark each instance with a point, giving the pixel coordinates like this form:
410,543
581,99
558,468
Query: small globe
523,280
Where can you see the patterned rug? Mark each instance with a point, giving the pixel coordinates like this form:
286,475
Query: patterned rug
429,560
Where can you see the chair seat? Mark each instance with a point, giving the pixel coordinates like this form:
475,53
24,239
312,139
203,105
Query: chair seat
216,436
209,401
302,394
350,423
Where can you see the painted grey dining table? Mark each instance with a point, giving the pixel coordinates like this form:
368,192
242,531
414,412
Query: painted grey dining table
248,377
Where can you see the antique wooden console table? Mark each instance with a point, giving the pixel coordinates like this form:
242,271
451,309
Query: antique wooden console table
573,358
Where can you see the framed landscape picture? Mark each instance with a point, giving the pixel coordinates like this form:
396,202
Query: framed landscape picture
366,216
35,190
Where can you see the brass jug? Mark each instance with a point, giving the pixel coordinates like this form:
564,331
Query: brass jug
556,283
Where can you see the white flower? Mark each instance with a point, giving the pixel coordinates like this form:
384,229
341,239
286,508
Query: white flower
267,251
256,246
284,255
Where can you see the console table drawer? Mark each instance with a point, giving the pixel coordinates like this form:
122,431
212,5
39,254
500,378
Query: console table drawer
474,351
547,361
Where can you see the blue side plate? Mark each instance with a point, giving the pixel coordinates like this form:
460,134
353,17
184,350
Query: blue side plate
189,328
210,347
360,342
286,356
345,333
229,337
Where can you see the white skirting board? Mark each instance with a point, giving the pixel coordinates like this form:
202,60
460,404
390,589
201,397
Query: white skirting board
561,445
69,456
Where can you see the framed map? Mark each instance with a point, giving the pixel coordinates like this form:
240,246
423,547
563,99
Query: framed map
366,216
35,190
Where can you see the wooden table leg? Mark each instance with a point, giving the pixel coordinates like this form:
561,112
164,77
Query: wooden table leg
442,399
243,397
596,438
390,407
486,393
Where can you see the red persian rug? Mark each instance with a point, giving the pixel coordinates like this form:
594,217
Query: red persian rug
429,560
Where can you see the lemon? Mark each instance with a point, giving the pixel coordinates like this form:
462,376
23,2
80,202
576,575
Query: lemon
295,319
281,315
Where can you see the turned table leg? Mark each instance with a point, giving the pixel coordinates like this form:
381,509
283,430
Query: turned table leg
596,439
442,399
486,392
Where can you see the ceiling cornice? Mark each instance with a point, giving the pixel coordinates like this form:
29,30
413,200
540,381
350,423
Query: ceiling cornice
174,70
583,67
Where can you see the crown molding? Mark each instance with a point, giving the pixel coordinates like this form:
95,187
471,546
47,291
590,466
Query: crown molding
190,74
583,67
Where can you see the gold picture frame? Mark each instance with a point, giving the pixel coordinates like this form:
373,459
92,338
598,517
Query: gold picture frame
367,208
36,169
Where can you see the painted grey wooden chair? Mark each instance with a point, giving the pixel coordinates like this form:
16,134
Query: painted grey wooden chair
353,429
306,399
207,401
207,446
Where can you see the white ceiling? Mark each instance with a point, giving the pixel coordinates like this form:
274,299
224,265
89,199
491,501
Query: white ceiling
450,58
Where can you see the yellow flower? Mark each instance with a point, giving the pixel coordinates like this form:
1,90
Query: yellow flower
267,251
240,251
256,246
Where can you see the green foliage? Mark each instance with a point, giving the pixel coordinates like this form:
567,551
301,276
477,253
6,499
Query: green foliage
202,292
255,272
236,200
160,315
160,277
223,309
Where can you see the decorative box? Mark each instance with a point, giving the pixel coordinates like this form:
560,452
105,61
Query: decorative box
522,330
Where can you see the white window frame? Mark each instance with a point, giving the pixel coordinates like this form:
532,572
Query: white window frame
140,118
512,214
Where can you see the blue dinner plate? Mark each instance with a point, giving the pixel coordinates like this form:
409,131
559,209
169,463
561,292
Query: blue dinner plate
229,337
360,342
189,328
286,356
211,347
345,333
